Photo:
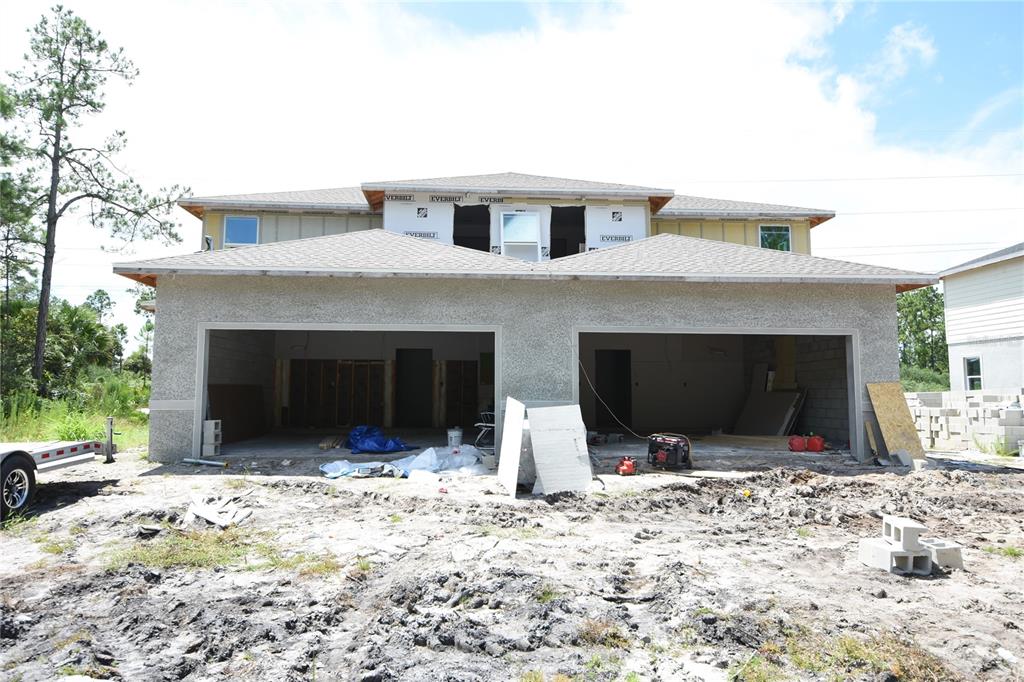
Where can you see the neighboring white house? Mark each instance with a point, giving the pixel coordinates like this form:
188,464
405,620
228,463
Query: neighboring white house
985,321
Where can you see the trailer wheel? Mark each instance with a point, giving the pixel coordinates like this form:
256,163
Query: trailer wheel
19,485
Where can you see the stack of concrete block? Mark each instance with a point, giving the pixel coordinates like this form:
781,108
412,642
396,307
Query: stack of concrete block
901,549
969,420
211,438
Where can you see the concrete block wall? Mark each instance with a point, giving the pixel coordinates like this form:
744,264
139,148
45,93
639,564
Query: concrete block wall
821,371
983,421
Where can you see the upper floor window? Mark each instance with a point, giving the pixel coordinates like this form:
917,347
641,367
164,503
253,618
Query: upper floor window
972,374
776,237
520,235
241,230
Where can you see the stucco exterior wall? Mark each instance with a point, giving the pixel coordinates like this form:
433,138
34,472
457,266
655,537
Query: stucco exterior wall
537,323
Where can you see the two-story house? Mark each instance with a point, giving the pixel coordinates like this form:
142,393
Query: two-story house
417,304
984,301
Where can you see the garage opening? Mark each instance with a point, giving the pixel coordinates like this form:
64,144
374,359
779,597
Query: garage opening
743,384
568,231
296,386
472,227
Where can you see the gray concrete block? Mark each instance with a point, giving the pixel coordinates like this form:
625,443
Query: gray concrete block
944,553
877,553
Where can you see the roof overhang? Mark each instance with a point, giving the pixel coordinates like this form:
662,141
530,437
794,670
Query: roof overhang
149,276
198,208
964,267
814,218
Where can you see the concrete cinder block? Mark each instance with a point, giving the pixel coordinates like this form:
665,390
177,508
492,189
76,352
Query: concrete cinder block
211,449
878,553
903,532
944,553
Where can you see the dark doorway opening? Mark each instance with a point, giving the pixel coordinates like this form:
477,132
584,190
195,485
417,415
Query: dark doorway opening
461,393
330,393
614,383
472,227
568,231
414,378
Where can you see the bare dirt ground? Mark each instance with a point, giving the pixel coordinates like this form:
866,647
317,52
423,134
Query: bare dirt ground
654,577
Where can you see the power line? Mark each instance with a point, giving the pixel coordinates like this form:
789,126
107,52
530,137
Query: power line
915,253
881,178
934,210
903,246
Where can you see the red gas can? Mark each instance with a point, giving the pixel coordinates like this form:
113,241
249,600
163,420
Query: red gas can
797,443
815,444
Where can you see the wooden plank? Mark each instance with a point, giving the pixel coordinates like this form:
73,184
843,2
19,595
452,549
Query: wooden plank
375,394
344,410
511,447
869,427
894,420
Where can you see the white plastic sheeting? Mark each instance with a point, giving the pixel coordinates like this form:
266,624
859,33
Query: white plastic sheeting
464,459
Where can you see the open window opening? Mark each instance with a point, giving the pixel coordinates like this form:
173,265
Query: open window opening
702,384
472,227
568,231
284,391
520,235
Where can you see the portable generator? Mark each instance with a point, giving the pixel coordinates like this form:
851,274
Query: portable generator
669,451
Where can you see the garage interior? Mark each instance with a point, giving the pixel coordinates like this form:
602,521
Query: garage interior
699,384
293,384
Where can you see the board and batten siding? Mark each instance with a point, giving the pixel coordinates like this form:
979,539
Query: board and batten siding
279,227
985,303
734,231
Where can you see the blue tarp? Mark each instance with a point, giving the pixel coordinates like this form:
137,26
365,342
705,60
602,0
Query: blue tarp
371,439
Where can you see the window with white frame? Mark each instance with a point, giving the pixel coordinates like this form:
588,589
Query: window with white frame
520,235
972,374
776,237
241,230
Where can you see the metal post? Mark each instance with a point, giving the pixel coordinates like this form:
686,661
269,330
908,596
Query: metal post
110,441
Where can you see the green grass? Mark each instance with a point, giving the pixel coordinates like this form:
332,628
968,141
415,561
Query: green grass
546,594
755,669
923,380
395,518
598,632
27,418
1010,552
846,655
804,532
193,549
52,546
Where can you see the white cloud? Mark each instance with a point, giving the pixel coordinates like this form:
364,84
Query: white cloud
240,97
905,45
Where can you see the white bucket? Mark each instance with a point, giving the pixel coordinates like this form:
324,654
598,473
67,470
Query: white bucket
454,437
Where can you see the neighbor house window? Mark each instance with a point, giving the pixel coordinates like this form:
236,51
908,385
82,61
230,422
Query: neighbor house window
776,237
972,373
241,230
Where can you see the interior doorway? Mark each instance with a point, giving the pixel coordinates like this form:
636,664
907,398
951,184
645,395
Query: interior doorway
568,231
614,382
414,405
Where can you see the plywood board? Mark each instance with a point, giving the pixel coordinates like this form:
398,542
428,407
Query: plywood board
511,445
894,420
559,441
766,414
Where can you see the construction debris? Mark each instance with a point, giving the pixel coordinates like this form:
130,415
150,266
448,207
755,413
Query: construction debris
959,420
222,512
332,442
558,439
898,432
902,550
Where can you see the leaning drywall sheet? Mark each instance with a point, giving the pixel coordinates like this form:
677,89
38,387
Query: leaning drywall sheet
511,445
894,420
559,441
766,414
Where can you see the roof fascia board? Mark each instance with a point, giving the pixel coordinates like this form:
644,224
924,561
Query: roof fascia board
274,206
522,191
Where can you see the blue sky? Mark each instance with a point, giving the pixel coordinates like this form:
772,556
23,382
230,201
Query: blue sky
979,56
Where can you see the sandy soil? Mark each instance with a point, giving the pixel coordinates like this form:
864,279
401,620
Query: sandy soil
654,577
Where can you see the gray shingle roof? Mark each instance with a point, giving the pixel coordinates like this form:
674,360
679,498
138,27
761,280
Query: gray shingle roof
664,257
988,259
520,183
681,205
338,198
363,251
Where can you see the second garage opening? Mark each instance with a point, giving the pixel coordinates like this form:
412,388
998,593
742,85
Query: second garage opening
744,384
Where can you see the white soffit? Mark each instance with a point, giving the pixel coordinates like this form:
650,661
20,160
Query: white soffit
560,453
511,445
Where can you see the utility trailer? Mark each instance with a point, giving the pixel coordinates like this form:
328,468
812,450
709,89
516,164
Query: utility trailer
20,462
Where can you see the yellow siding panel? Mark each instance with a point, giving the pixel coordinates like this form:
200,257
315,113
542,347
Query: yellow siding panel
712,230
801,237
752,235
735,233
690,228
213,225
